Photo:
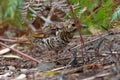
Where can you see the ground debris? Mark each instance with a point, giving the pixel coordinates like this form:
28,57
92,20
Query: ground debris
101,60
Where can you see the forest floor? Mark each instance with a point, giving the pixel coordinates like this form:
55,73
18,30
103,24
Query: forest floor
95,59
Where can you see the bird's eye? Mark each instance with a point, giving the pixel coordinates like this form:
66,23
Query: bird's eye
73,24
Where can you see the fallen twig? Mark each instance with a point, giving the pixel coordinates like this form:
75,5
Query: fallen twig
79,26
3,51
60,68
15,50
48,19
98,75
8,40
92,40
16,40
88,66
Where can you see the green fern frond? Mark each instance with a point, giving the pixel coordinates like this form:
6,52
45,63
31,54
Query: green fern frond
116,14
10,13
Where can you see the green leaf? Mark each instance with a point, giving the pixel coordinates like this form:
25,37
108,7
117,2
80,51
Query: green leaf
12,12
116,14
20,3
0,13
6,13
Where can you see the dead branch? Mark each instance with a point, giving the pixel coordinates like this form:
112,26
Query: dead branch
86,43
60,68
8,40
3,51
16,40
79,26
20,53
48,19
98,75
79,69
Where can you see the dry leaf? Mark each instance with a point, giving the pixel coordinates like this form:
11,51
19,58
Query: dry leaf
11,56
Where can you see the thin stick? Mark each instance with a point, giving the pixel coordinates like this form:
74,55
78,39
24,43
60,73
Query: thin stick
8,40
78,25
22,54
